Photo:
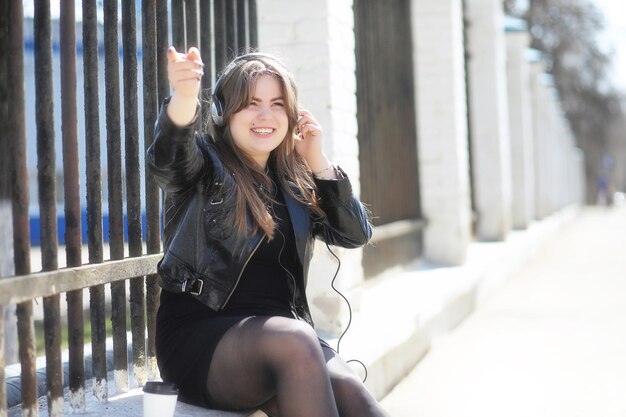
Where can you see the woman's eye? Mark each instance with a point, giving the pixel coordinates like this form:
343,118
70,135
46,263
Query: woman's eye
279,104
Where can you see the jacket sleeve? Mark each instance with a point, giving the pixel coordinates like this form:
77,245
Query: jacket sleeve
346,222
175,157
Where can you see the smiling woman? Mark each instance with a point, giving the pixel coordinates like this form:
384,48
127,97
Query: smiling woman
243,206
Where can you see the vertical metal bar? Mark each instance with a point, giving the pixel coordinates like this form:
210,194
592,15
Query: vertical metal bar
26,336
191,22
243,39
45,135
17,134
131,127
231,29
73,244
94,195
20,203
221,46
178,25
52,343
3,391
47,203
113,124
5,176
162,45
253,24
69,126
114,166
152,305
133,202
150,109
152,290
206,50
5,144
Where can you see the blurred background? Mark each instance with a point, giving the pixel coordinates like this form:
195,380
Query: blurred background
584,42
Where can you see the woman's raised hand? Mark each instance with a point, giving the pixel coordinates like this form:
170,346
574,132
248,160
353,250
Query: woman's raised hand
185,71
309,145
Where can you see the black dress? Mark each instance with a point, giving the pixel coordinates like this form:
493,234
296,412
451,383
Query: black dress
188,331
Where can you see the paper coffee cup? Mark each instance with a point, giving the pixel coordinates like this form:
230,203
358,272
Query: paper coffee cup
159,399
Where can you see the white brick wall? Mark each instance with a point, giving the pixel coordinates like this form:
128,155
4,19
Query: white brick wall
316,41
442,128
520,124
542,130
489,122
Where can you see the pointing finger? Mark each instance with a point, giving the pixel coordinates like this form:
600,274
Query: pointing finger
171,54
193,54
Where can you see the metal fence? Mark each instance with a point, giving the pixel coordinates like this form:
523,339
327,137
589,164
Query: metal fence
387,132
234,31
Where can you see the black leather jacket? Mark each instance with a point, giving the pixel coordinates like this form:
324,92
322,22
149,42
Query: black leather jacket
204,257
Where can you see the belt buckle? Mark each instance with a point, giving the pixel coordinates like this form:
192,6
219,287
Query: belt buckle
193,286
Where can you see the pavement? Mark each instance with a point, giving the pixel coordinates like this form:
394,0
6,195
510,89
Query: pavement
530,326
550,342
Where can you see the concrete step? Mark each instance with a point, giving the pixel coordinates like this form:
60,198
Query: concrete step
401,314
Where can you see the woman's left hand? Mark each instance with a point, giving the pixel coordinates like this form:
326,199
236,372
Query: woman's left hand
309,142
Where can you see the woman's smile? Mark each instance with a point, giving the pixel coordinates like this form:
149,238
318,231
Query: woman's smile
263,131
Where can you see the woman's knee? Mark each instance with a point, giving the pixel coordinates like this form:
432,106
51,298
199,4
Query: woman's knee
294,341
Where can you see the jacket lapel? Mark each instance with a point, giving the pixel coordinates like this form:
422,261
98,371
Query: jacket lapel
299,220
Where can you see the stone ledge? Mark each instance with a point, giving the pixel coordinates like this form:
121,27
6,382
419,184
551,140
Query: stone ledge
130,404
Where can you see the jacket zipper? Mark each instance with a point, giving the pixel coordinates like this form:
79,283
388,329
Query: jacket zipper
241,272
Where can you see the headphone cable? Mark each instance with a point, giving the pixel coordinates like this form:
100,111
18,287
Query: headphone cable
332,285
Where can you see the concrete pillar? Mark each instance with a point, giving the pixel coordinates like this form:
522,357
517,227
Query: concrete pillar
489,124
576,182
551,155
442,128
316,41
580,192
563,159
520,128
540,134
554,156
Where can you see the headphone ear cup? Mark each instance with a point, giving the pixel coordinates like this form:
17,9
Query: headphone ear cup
217,112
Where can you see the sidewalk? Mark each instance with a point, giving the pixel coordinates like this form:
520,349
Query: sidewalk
551,342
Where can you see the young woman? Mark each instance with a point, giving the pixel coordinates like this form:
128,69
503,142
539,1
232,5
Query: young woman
243,206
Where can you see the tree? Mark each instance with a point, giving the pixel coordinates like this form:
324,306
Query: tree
567,31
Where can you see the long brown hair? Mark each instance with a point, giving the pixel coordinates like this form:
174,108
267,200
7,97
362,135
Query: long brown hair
235,91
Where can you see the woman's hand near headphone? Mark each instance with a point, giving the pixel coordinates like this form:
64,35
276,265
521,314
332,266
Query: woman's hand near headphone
184,71
309,146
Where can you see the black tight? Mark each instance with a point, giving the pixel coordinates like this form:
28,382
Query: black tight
278,365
